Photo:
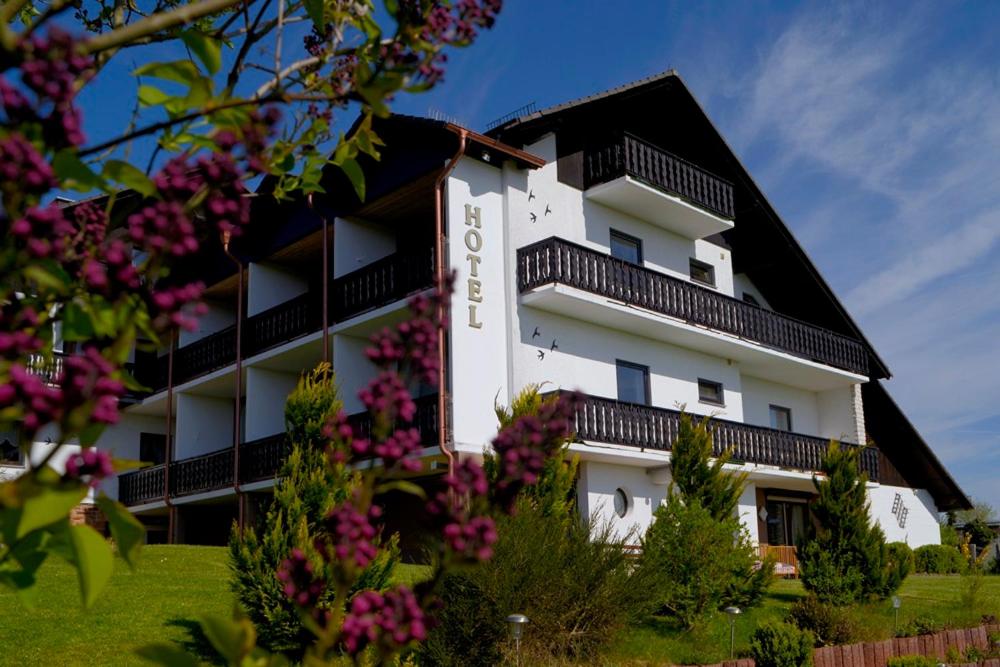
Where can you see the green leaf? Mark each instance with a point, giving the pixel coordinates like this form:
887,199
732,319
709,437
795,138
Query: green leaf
179,71
90,433
74,173
314,8
128,532
46,503
45,278
356,176
129,176
76,323
205,48
151,96
232,638
93,559
168,655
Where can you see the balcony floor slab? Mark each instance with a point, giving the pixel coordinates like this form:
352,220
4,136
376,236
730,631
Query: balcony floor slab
754,359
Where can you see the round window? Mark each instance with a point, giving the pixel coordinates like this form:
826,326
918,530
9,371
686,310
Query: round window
621,503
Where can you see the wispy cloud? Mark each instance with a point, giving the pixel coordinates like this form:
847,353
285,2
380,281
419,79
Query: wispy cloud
911,232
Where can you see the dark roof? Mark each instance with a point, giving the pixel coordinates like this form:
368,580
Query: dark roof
897,438
764,247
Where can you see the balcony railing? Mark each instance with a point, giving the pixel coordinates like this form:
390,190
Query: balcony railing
47,368
557,261
631,156
620,423
380,283
259,460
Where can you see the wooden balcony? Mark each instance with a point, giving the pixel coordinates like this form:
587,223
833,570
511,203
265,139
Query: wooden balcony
558,262
260,460
47,368
786,558
380,283
616,422
643,180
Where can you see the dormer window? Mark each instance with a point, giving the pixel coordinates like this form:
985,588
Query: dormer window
702,272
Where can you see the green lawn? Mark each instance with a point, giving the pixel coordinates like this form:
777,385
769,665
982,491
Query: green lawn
936,598
161,601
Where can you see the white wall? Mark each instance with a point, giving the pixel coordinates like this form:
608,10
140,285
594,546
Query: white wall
474,232
746,509
921,518
837,415
270,285
742,284
204,424
759,395
357,243
266,393
598,482
354,370
219,316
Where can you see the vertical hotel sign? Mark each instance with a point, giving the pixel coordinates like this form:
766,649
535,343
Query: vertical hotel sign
474,246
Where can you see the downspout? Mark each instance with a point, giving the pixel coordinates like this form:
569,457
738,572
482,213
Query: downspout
325,281
171,510
226,236
439,269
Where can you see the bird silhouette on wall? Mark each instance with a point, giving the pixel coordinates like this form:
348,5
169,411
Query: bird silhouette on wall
548,209
541,354
534,218
531,195
537,333
553,347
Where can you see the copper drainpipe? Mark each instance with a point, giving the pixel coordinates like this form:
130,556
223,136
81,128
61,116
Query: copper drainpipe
439,269
326,280
171,510
226,236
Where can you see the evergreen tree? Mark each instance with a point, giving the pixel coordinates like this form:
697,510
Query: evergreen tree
844,558
697,477
307,488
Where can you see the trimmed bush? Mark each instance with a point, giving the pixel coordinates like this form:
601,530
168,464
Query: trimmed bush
912,661
938,559
899,564
829,624
781,645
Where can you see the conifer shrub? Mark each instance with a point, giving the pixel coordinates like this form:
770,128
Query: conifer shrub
697,554
844,558
307,488
781,645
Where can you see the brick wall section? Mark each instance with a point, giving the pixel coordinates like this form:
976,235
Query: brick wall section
858,412
90,515
877,654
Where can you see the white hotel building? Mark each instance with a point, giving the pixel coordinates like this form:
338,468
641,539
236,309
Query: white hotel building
614,245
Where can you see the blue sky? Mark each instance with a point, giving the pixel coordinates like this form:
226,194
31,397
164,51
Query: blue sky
873,128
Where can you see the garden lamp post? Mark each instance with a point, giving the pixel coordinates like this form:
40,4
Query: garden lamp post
896,603
516,623
733,613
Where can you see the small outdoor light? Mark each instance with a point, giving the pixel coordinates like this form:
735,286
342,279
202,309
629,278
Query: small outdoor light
896,603
516,623
733,613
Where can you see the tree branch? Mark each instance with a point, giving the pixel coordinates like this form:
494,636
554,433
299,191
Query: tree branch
288,71
157,23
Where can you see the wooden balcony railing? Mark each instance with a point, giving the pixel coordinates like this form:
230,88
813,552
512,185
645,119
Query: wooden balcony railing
380,283
47,368
557,261
620,423
259,460
786,559
631,156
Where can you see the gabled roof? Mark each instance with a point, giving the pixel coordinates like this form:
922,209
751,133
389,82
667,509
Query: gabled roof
761,241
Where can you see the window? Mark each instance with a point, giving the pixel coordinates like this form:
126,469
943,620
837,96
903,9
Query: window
781,418
710,392
152,448
751,299
10,453
633,382
626,247
702,273
786,521
621,503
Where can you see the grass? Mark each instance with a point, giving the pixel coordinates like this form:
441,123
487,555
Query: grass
936,599
162,600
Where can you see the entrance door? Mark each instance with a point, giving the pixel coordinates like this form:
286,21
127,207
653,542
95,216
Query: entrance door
786,521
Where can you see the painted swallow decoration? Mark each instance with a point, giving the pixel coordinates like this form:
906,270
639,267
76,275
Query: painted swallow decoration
547,209
534,218
553,347
537,333
531,195
541,354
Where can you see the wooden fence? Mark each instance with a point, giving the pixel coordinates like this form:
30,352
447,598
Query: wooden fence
877,654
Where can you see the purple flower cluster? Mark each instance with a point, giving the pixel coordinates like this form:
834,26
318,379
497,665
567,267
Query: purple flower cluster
388,399
469,536
523,447
349,536
87,378
178,306
163,227
299,581
44,231
17,327
23,168
41,403
89,465
472,540
389,621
